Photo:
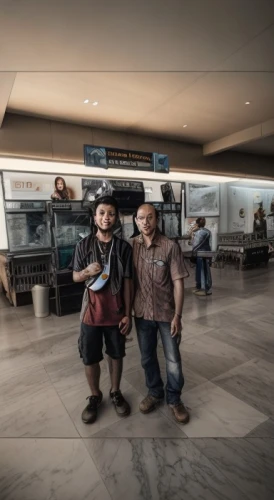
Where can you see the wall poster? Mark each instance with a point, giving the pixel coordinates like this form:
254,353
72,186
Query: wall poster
33,186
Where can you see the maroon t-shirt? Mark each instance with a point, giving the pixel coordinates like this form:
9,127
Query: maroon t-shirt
104,309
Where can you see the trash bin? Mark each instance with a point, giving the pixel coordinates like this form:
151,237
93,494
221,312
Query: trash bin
40,299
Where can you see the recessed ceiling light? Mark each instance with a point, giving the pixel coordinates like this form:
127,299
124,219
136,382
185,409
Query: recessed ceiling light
184,126
247,102
95,103
86,101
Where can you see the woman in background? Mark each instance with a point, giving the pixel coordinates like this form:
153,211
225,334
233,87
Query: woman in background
61,191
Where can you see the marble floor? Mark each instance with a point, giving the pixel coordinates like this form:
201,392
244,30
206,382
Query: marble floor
226,451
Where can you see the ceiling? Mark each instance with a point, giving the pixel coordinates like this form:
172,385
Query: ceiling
263,146
152,66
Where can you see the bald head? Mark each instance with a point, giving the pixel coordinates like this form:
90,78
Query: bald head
147,206
146,219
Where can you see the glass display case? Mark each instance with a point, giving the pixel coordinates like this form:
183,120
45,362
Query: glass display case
126,220
169,219
270,225
28,259
71,222
69,227
28,226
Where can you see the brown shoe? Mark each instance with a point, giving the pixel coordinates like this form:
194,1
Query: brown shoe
202,293
149,404
180,413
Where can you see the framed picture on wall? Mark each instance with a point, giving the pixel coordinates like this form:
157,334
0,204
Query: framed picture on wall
167,193
202,199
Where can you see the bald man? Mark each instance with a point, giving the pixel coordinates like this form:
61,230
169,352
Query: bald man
158,305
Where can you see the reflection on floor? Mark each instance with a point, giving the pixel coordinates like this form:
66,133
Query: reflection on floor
225,452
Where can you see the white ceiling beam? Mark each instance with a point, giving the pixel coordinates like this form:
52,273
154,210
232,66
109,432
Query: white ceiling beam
242,137
6,84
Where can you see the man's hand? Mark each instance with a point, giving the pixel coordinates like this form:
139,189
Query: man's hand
125,325
88,272
93,269
176,326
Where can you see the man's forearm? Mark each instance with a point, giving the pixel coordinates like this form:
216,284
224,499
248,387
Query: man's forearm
128,296
179,296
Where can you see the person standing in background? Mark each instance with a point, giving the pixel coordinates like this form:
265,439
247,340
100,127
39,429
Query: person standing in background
202,242
259,224
61,191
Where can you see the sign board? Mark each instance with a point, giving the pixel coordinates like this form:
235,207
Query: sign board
98,156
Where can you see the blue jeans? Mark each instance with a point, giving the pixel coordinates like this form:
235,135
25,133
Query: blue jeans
203,274
147,332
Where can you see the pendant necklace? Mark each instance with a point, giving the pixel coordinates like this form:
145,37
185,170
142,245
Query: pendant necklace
105,261
103,251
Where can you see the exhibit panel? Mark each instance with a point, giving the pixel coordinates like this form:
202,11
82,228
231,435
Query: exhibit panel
237,209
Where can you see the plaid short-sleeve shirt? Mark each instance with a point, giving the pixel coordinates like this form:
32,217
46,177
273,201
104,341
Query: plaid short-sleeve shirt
156,268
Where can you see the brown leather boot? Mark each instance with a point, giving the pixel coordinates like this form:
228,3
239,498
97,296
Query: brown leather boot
149,404
180,413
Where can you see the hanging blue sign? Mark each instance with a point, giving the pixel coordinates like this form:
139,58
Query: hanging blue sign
97,156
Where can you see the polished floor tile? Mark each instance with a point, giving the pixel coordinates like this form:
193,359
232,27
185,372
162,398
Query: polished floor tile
192,329
210,357
218,319
65,368
4,303
39,415
158,469
9,339
264,430
201,307
49,329
9,323
17,356
22,383
263,324
255,342
31,407
246,463
56,344
253,383
36,469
